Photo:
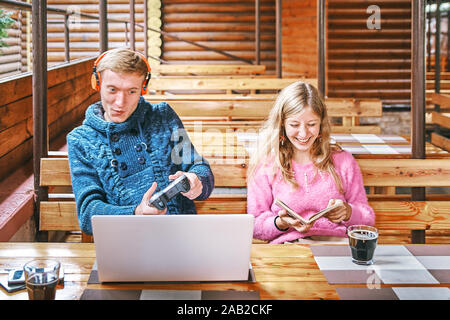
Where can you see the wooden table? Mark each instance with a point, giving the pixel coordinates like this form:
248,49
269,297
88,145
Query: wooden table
404,272
282,271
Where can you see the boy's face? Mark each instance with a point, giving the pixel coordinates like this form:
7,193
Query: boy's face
120,93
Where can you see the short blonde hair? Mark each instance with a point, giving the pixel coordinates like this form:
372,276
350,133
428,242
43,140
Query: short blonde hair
122,60
291,101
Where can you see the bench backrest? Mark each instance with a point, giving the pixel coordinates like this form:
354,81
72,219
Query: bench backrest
336,107
207,69
59,213
441,120
214,84
241,112
347,112
233,172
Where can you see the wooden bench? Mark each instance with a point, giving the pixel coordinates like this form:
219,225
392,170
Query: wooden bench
441,120
443,75
396,215
207,69
198,99
249,114
198,85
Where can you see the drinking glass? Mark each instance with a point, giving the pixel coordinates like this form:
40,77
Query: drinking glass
363,241
41,278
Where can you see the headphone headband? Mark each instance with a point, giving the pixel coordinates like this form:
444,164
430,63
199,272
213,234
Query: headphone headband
96,79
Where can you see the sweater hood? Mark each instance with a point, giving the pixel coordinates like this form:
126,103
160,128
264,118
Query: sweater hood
95,119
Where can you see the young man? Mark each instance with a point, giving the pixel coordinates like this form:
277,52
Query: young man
127,148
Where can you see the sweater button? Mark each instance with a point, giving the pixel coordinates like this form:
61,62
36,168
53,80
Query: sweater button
115,137
123,166
117,151
114,163
138,147
141,160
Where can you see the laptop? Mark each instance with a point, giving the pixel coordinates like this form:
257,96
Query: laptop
213,247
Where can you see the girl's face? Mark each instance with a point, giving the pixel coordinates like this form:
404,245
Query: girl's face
302,130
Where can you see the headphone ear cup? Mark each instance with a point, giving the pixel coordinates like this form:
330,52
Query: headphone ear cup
145,87
95,81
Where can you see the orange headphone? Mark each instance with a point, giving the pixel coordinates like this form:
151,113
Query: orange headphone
96,79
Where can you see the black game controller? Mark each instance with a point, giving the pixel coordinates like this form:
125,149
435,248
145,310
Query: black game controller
160,199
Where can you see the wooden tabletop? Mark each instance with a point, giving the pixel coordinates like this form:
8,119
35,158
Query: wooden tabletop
282,271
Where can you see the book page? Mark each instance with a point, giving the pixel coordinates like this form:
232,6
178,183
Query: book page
295,215
322,213
290,212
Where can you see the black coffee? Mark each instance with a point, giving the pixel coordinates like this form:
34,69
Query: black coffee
362,244
42,286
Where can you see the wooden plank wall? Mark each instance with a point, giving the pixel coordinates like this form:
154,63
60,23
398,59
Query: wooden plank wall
299,38
69,94
84,37
365,62
13,57
225,25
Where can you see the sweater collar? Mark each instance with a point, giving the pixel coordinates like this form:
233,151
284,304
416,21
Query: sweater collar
96,120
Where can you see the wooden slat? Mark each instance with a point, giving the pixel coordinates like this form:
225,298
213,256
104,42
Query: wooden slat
223,205
354,107
405,172
356,129
440,119
195,111
209,97
55,172
255,126
441,99
412,215
442,75
56,216
336,108
229,173
390,215
209,69
232,172
164,84
444,84
222,126
440,141
243,109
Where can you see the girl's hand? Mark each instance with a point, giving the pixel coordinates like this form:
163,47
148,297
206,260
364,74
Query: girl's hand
286,221
342,213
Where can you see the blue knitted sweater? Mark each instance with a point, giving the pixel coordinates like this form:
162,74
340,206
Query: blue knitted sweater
112,165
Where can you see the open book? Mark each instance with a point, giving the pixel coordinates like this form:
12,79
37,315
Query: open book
295,215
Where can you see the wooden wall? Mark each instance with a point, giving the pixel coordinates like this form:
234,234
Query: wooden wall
13,57
299,38
84,35
225,25
69,94
367,62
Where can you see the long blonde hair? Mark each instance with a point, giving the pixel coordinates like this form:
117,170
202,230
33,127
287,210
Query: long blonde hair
290,102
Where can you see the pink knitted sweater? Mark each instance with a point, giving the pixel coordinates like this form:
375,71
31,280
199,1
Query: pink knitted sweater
316,189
